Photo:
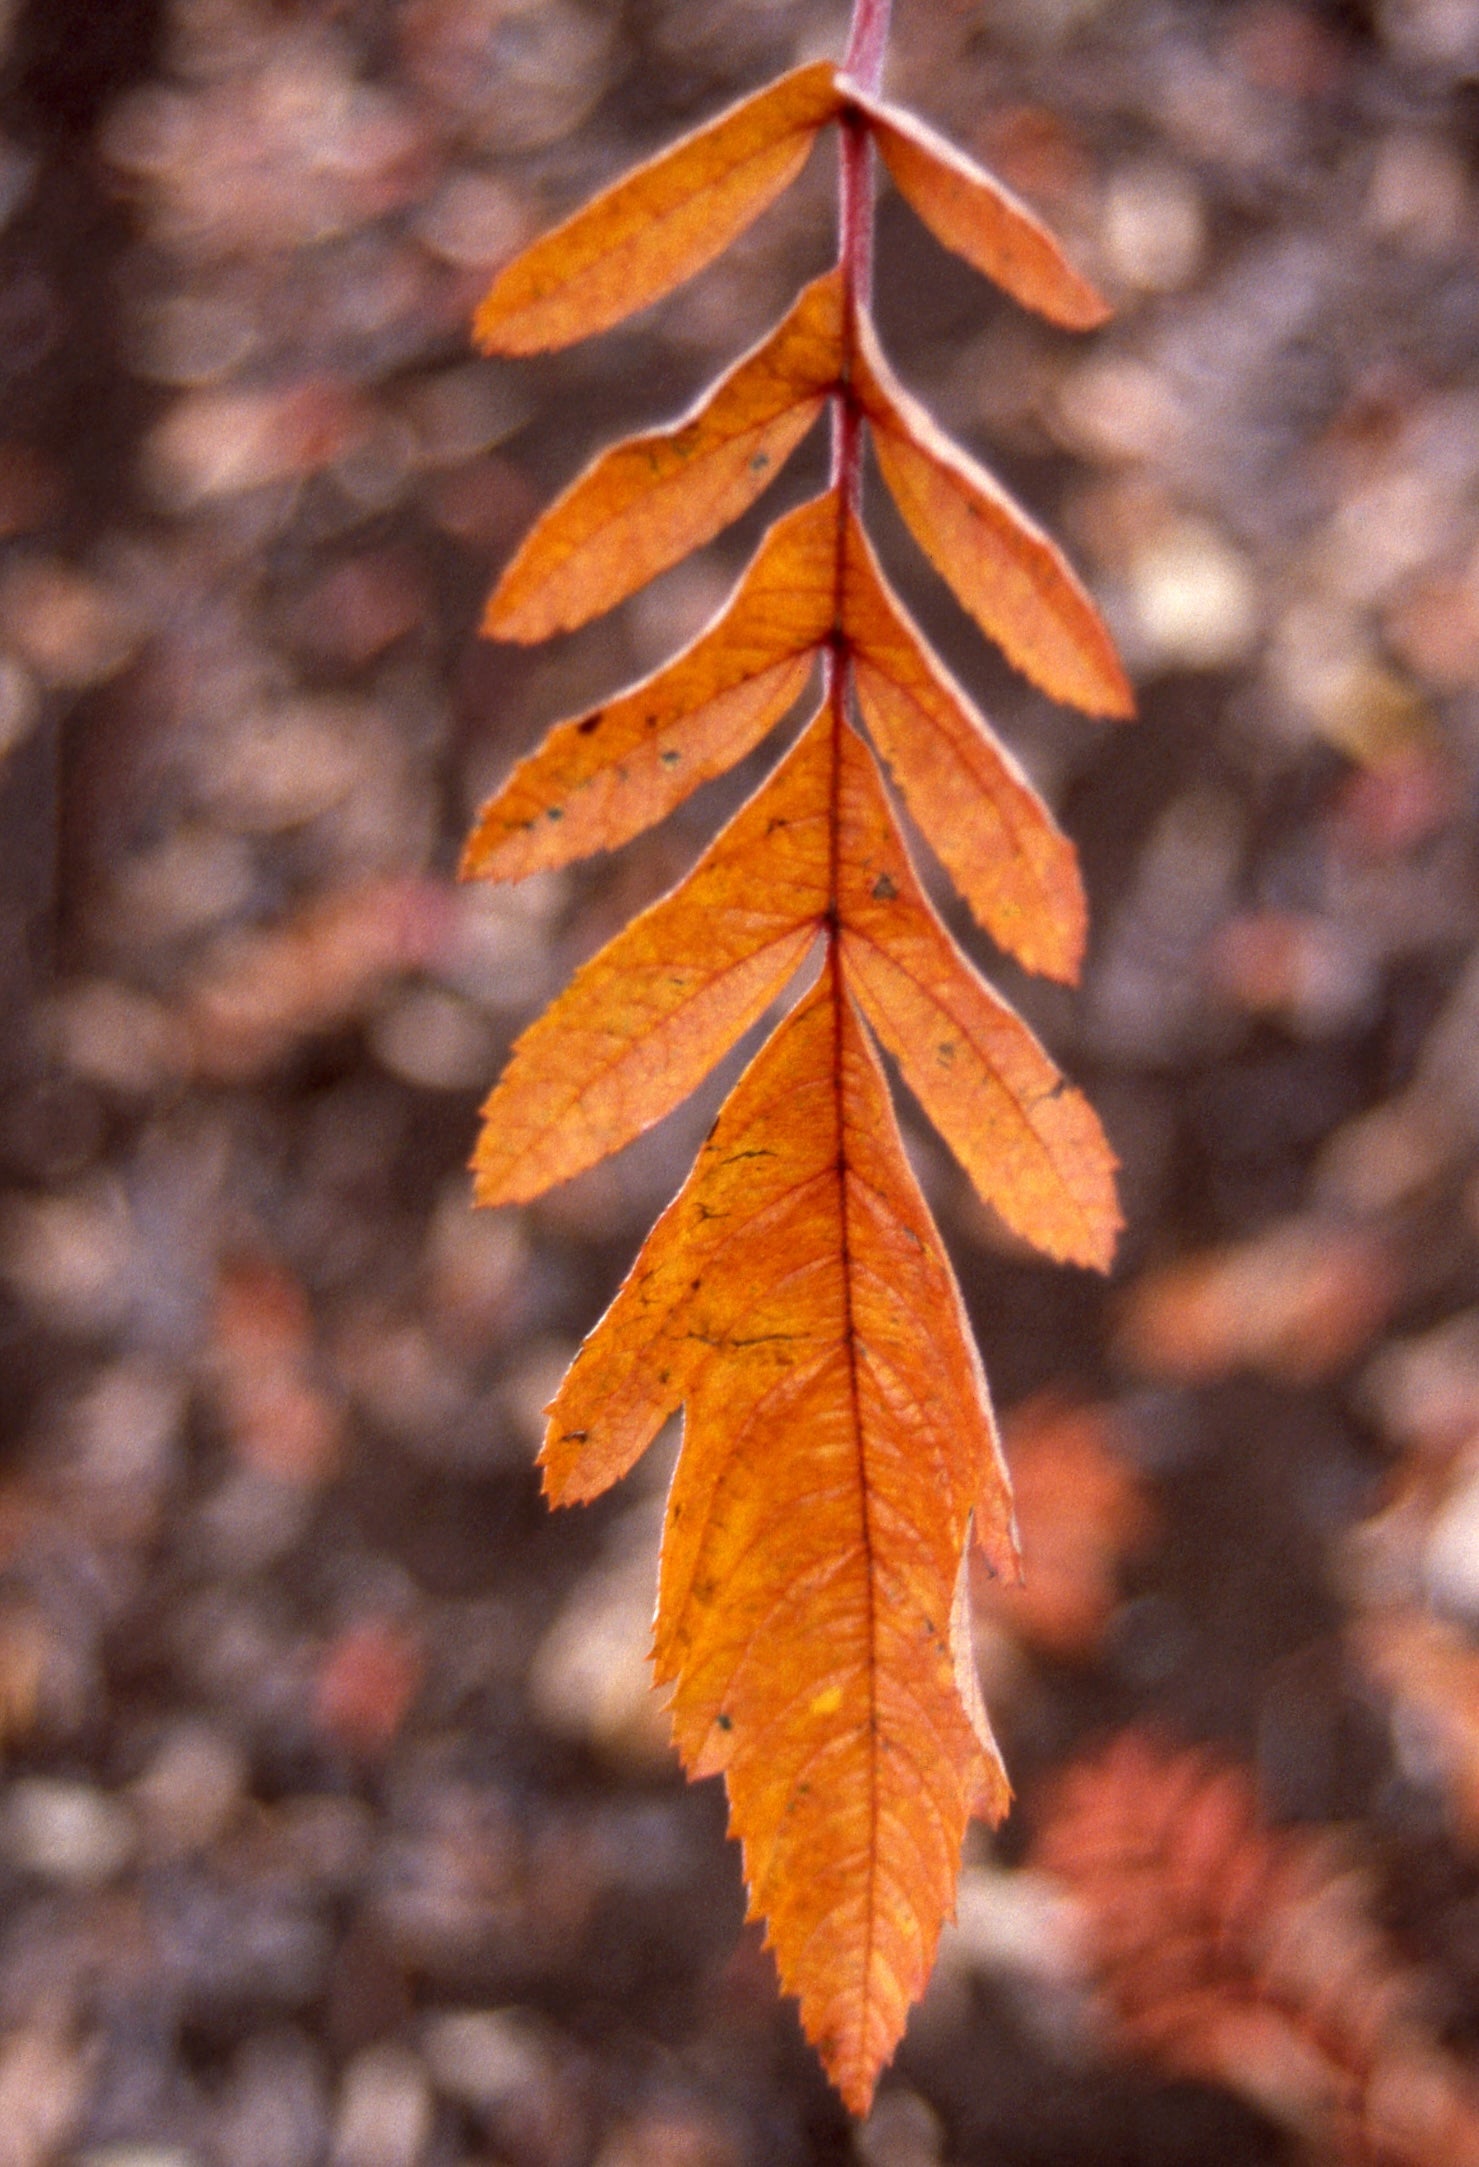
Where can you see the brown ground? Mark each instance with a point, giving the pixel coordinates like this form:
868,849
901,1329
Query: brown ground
338,1825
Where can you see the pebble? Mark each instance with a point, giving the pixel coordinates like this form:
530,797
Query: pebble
274,2112
435,1041
482,2058
1155,227
191,1790
385,2112
45,2079
903,2130
66,625
70,1256
67,1832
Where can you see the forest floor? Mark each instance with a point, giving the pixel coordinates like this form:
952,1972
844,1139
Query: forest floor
338,1822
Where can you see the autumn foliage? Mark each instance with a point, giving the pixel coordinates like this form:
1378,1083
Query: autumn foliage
795,1299
1248,1956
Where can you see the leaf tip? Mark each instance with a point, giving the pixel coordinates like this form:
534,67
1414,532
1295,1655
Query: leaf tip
1119,704
1089,310
1102,1240
477,856
1056,953
501,618
492,333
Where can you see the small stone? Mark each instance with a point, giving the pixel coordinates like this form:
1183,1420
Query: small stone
111,1035
66,1832
1194,598
250,1520
71,629
591,1678
506,2066
475,221
138,2155
70,1256
1155,229
125,1427
463,413
434,1040
287,765
483,2058
902,2131
45,2078
1419,194
194,338
1117,407
676,2137
275,2110
385,2110
192,881
191,1789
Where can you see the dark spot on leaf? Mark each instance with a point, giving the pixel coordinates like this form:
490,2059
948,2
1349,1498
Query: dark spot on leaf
884,890
592,722
725,1723
946,1051
554,812
760,462
668,757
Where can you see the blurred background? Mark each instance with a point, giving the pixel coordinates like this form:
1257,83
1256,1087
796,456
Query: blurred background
338,1826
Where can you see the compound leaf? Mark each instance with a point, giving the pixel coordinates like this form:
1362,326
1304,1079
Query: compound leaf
794,1301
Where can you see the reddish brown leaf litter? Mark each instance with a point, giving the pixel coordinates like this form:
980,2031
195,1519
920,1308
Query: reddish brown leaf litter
1246,1955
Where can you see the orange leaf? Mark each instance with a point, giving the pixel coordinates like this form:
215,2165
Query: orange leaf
1031,1144
984,821
837,1443
649,501
971,212
659,224
1013,580
600,779
795,1299
642,1023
